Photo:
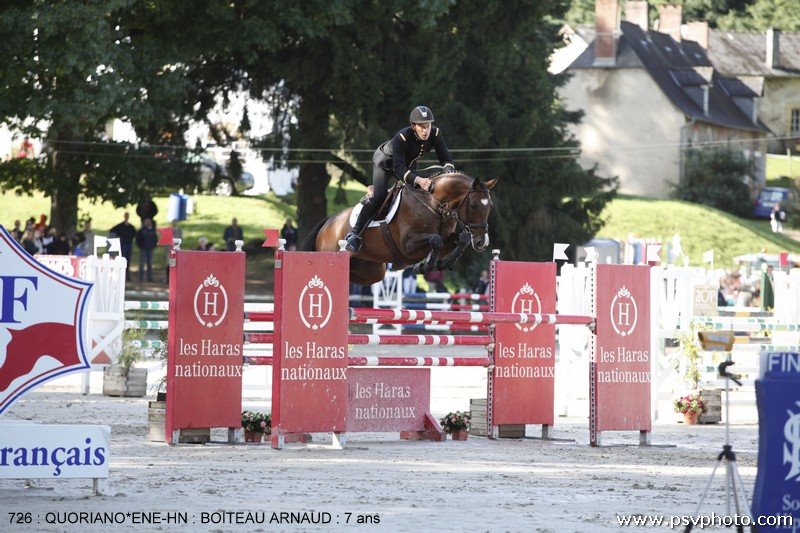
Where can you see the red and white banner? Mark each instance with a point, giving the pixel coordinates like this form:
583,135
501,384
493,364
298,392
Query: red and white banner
309,381
621,366
42,322
205,344
524,354
388,399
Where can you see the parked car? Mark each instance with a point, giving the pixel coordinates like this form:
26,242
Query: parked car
209,169
770,196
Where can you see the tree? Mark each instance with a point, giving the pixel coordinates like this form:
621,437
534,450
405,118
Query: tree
761,15
716,177
502,97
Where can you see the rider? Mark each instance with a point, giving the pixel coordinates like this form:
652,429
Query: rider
399,156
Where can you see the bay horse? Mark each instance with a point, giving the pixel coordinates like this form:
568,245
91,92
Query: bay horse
430,230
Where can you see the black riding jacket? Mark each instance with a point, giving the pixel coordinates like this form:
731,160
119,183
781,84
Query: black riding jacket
405,149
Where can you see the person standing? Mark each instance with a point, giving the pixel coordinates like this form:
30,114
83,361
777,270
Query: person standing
126,233
482,285
147,209
289,234
146,240
88,235
776,218
232,234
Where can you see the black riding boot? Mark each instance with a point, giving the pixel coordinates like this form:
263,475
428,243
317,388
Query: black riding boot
353,237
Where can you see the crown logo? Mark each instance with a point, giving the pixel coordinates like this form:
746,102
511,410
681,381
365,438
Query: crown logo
315,283
624,292
211,281
526,289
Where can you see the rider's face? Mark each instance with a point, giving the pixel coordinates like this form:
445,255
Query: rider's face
423,131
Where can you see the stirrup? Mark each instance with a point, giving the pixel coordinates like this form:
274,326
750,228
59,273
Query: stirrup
353,242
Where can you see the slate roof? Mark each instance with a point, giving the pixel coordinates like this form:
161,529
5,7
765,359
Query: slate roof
744,54
680,70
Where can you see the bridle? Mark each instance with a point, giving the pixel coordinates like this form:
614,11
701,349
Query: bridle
465,224
476,230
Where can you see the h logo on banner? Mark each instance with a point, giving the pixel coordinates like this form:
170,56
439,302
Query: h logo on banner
624,312
315,304
212,297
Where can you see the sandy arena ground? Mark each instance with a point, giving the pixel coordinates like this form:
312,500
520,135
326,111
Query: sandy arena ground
477,485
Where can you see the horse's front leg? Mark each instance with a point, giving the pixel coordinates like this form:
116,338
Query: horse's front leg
449,260
430,241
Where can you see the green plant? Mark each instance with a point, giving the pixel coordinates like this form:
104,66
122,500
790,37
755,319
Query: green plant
691,403
256,422
715,177
692,352
160,352
131,347
453,421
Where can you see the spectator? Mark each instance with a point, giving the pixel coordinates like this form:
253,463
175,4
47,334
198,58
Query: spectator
48,238
42,224
88,235
435,279
146,240
126,233
25,149
482,285
61,245
776,218
77,245
203,245
147,209
28,242
232,234
17,232
409,281
289,233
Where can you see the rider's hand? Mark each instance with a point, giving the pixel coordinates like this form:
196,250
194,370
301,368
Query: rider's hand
422,183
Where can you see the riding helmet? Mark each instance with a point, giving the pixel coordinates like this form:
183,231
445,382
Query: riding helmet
421,115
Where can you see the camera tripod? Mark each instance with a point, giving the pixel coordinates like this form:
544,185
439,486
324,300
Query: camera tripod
734,487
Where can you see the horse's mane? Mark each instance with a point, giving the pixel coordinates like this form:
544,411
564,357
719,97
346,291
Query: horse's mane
462,176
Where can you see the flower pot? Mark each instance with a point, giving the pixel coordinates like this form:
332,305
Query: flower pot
252,436
119,381
690,419
459,434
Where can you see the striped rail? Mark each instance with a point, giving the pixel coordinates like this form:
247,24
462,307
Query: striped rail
446,307
392,361
395,340
744,324
404,316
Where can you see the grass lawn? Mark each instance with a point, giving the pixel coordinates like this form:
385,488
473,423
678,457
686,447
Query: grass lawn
700,228
778,166
211,215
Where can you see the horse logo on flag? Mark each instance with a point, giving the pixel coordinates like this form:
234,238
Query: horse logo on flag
42,322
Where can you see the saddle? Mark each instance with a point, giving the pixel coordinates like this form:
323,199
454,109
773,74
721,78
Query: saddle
383,211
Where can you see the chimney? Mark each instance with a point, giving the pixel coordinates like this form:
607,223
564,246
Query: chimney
636,12
670,18
698,31
773,48
605,42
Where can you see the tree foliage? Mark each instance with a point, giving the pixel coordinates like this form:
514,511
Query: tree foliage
340,77
70,68
716,177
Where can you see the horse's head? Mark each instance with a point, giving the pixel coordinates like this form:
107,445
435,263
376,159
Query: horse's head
474,211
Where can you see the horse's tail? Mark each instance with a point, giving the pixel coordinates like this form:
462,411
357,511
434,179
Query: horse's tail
309,244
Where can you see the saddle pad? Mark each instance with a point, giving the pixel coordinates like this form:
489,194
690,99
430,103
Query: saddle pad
375,223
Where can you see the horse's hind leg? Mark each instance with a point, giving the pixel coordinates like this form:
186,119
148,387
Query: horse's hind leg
426,240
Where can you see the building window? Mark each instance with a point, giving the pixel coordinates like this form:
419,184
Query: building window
795,129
